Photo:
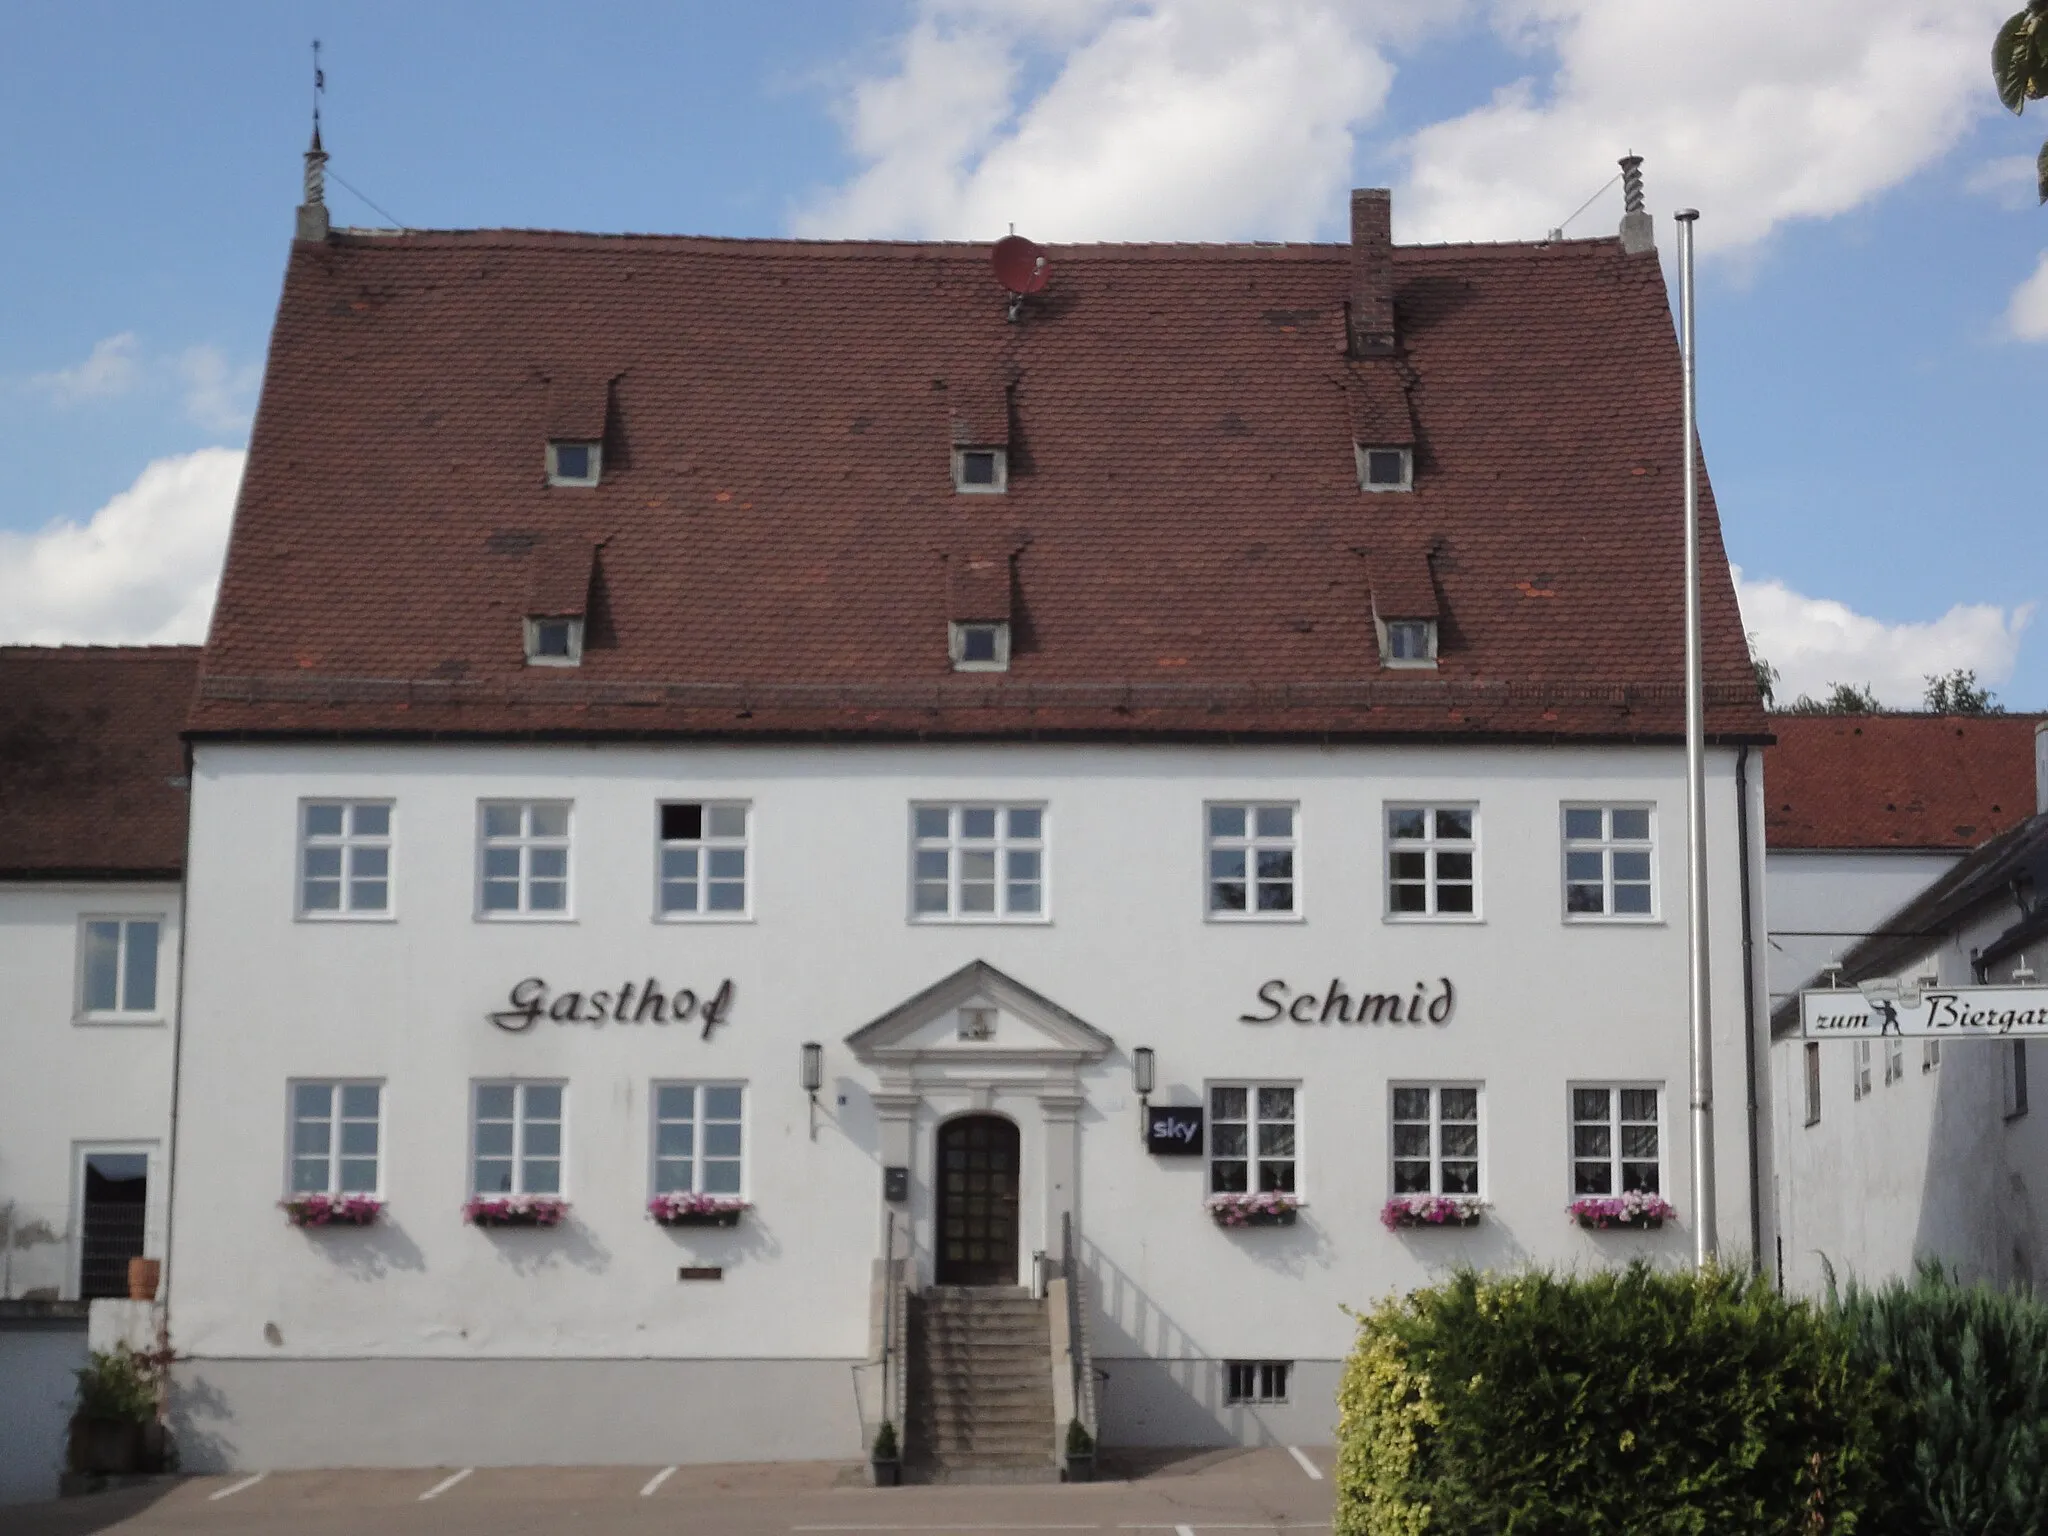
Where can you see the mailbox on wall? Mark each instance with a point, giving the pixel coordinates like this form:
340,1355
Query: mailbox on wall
895,1185
1173,1130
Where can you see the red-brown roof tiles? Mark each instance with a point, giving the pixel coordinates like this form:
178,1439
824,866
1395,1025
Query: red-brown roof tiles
91,769
1897,781
1191,545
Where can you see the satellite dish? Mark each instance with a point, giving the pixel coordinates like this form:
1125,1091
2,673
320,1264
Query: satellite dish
1020,265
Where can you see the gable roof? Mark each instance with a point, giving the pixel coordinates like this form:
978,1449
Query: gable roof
1193,553
91,769
1896,781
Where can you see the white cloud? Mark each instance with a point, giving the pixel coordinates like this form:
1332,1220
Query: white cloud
1755,111
1163,119
218,396
2028,312
2010,179
1815,642
113,367
140,570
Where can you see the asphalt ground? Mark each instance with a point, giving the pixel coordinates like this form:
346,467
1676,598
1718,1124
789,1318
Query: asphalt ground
1196,1493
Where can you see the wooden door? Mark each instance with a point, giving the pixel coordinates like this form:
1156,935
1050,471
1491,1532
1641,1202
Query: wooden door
977,1215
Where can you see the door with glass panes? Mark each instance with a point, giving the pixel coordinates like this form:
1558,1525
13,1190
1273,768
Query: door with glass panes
977,1202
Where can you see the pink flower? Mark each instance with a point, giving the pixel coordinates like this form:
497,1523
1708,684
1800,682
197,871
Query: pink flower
1632,1208
1430,1211
324,1210
515,1211
1240,1210
670,1207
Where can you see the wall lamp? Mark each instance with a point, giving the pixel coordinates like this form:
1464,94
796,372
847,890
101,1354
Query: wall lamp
813,1071
1141,1080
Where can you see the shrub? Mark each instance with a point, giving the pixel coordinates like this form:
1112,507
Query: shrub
885,1442
116,1386
1967,1373
1079,1441
1627,1401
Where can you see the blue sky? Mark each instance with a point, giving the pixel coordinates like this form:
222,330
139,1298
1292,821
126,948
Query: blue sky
1871,402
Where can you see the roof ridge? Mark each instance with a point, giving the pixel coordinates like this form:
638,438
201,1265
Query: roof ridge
95,651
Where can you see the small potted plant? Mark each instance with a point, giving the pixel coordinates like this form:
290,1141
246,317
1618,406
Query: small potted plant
1269,1208
322,1210
116,1405
688,1210
885,1461
143,1277
1080,1467
1635,1208
515,1211
1431,1211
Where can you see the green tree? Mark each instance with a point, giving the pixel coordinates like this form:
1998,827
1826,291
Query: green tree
2019,66
1957,693
1842,699
1766,674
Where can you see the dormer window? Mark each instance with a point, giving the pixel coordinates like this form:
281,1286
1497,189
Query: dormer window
980,647
981,470
554,642
571,463
1385,469
1408,642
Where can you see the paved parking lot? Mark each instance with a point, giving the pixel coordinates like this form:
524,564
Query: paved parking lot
1189,1494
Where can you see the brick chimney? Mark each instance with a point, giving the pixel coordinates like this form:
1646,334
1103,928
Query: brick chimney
1372,272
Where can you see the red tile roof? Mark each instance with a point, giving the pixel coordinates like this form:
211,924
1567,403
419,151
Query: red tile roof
1190,552
91,768
1897,781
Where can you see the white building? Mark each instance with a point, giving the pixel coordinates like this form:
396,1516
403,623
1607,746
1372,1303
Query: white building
641,660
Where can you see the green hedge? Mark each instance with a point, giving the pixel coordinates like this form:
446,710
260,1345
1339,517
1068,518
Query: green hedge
1632,1401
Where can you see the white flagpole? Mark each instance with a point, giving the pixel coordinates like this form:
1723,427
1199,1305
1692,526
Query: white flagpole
1706,1245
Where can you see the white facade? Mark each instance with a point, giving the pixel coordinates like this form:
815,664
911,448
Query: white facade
1821,902
81,1081
424,1339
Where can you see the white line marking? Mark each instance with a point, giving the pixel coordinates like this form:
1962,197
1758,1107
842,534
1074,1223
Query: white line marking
247,1482
962,1527
1183,1530
656,1481
1314,1472
445,1484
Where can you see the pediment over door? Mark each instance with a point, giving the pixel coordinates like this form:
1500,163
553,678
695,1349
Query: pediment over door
979,1015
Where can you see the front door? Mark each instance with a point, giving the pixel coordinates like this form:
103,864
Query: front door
977,1201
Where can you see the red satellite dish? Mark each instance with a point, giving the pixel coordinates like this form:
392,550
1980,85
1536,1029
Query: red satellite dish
1020,264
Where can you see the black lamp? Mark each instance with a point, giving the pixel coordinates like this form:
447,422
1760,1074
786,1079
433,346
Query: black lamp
813,1078
1141,1080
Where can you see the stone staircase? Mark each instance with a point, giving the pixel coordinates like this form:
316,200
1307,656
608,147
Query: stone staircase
980,1386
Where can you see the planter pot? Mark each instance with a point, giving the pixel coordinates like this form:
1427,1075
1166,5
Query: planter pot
1255,1218
1404,1222
700,1219
1080,1469
515,1219
885,1474
143,1275
1633,1223
106,1447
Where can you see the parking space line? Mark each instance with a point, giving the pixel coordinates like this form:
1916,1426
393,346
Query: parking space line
656,1481
445,1484
1314,1472
1183,1530
247,1482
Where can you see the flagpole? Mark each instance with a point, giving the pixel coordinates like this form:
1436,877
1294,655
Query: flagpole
1706,1244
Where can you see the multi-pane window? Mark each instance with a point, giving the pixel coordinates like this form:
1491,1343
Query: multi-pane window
1607,852
1430,861
697,1130
703,860
1251,1138
1894,1059
2014,1079
1930,1055
1436,1140
1615,1141
1861,1087
517,1140
1411,640
344,857
1813,1082
525,847
335,1138
1251,860
977,862
117,966
1256,1381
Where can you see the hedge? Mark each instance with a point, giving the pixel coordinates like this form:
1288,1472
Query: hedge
1629,1401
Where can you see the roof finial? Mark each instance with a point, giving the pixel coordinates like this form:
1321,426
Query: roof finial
313,211
1638,229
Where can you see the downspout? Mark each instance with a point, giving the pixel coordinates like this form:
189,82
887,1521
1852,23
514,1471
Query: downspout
163,1327
1756,1210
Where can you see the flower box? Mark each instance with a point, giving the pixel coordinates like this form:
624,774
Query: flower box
1270,1209
697,1210
1431,1211
331,1210
1634,1210
515,1211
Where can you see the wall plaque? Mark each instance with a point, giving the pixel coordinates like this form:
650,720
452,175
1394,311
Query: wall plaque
1173,1130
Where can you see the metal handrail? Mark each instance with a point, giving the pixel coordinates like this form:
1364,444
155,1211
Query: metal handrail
1077,1353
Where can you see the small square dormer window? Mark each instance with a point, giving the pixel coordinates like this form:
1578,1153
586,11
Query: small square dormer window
981,470
575,463
980,647
1385,469
554,642
1408,642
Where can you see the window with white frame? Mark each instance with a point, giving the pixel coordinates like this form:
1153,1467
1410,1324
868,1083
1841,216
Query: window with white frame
1617,1141
1251,861
1436,1139
979,647
554,642
977,863
1813,1082
1930,1054
516,1140
698,1129
117,960
337,1136
703,859
1607,861
1385,469
2014,1079
345,858
575,463
524,847
1252,1138
981,470
1894,1059
1431,854
1256,1381
1410,642
1861,1087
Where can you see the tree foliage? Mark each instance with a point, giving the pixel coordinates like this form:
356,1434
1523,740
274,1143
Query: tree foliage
1842,699
2019,67
1957,693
